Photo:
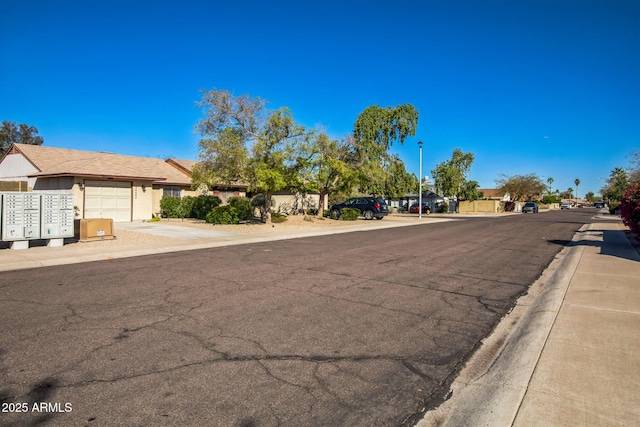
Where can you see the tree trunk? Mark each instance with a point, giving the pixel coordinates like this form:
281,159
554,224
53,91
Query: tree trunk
321,204
266,218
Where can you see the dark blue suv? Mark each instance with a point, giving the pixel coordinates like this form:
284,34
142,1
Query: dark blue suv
369,207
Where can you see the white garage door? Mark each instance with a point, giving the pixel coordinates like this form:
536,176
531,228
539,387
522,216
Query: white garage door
107,199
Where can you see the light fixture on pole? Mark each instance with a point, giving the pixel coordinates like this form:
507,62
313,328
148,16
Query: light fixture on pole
420,183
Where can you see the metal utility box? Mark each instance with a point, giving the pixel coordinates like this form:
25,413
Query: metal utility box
57,216
20,216
95,229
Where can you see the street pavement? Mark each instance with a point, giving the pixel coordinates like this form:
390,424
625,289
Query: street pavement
566,355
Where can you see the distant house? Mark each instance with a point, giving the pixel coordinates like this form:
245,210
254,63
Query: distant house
105,185
495,194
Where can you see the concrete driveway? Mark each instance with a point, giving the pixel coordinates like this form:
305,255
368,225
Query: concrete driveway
167,230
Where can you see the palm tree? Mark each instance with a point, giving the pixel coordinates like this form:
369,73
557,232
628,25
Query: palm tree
549,181
577,183
570,191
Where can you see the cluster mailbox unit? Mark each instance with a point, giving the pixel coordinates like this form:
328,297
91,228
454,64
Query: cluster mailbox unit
30,216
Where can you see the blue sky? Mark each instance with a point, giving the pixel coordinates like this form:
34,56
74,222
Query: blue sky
550,87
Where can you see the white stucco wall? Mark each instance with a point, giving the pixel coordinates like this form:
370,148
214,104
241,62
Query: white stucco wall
15,167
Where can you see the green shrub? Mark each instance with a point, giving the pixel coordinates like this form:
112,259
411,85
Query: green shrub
312,212
170,207
243,206
349,214
443,207
154,219
186,206
223,215
277,217
613,206
202,205
550,199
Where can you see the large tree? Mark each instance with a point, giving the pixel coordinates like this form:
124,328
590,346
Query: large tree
398,182
375,131
11,133
451,175
615,186
245,142
577,183
522,187
328,166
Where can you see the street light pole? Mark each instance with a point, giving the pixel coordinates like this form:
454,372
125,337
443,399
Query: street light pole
420,183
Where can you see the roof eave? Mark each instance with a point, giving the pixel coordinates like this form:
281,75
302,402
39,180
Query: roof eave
96,176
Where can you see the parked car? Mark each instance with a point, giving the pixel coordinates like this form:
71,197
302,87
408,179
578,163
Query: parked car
599,205
414,208
565,205
530,207
369,207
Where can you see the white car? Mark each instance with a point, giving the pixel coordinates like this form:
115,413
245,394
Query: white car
565,206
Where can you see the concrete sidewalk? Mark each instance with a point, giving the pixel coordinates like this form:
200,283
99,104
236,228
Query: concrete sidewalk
569,352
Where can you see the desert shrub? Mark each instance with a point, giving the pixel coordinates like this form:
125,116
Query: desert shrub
243,206
277,217
630,207
312,212
223,215
202,205
444,207
349,214
154,219
170,207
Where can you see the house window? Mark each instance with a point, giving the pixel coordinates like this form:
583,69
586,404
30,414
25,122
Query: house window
172,191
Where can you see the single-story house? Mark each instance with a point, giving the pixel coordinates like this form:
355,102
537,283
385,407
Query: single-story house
495,194
104,185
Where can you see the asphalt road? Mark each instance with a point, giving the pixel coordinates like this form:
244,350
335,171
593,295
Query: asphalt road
356,329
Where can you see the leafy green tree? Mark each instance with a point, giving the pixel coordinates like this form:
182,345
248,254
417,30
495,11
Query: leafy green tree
375,131
522,187
327,167
245,142
451,176
615,186
469,191
11,133
398,182
590,196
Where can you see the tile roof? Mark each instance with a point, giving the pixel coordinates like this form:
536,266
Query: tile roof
492,192
51,161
